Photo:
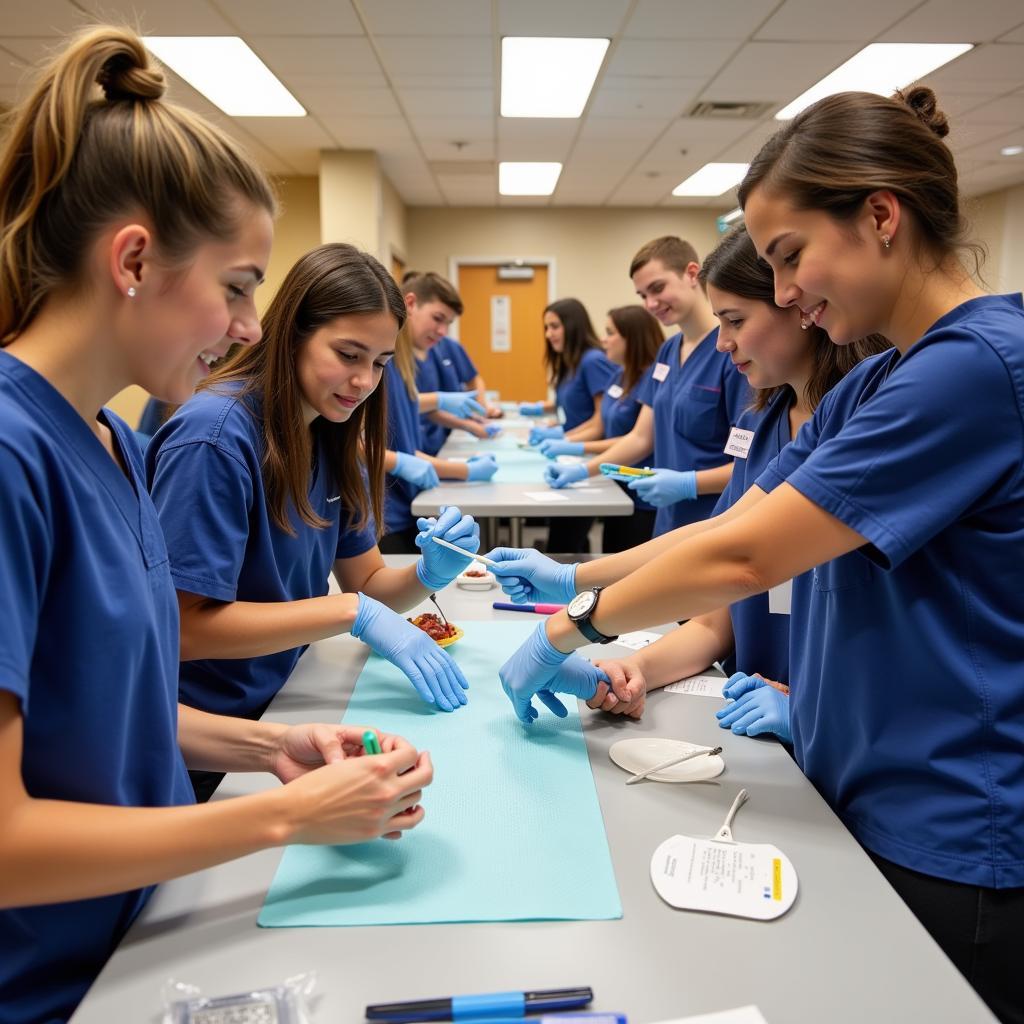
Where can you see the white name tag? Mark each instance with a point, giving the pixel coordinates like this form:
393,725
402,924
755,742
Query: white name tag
446,362
615,391
660,371
738,445
780,598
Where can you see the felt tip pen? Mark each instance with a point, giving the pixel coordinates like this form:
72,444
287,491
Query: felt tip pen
486,1005
553,1018
370,742
537,609
611,469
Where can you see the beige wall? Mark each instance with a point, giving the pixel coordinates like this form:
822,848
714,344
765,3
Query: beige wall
394,226
997,220
592,248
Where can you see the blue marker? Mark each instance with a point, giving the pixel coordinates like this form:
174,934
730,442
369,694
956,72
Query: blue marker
486,1005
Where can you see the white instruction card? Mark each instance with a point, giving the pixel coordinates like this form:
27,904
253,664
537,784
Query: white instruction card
545,497
699,686
640,638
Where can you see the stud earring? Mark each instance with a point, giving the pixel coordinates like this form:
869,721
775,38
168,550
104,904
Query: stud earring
131,293
886,240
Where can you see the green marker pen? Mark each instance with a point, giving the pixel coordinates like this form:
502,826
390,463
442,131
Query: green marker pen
370,742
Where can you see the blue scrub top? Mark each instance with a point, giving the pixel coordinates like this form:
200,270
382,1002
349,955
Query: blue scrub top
403,436
446,368
575,395
89,648
695,405
204,468
908,708
761,636
618,416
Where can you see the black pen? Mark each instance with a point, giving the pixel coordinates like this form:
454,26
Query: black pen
514,1004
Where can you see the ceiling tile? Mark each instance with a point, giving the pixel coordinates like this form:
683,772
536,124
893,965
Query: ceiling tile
1016,36
615,101
745,148
989,150
989,179
590,18
315,55
296,17
184,18
939,21
799,20
428,18
40,18
442,149
697,19
982,69
535,139
635,131
660,57
367,132
969,134
448,102
409,55
1006,108
448,129
476,189
443,80
286,133
326,102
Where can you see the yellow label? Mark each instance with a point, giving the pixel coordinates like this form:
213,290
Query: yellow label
776,878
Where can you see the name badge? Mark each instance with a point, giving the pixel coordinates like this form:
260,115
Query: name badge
615,391
660,371
738,445
780,598
446,362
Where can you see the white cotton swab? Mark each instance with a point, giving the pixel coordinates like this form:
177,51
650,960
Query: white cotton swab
672,761
463,551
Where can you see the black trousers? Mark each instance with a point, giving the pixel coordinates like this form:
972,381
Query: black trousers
981,930
624,532
401,542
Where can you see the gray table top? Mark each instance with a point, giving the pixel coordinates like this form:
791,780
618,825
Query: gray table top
847,952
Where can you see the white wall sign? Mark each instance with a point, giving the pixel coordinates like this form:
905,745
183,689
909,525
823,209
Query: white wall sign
501,323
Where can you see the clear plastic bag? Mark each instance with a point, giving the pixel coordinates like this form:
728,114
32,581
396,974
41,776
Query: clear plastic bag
286,1003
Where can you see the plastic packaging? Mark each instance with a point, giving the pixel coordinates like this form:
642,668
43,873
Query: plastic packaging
286,1003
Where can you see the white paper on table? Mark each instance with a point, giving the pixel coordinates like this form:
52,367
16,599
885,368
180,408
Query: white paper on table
780,598
640,638
583,488
545,496
741,1015
699,686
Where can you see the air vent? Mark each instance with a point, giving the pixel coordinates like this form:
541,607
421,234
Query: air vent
734,111
463,168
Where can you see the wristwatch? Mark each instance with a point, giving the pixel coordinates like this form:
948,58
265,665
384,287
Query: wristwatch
580,609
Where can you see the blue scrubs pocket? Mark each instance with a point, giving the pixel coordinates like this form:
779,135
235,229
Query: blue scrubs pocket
843,573
697,415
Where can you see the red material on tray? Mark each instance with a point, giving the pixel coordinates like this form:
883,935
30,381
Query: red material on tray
433,626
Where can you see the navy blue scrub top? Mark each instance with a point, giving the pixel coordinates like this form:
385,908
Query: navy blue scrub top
89,648
206,479
908,703
403,436
446,368
695,406
761,636
618,417
575,394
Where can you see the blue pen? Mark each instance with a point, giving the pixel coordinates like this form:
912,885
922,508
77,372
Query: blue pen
487,1005
554,1018
537,609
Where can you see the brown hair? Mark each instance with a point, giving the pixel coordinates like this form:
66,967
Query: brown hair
734,267
643,338
72,161
838,151
328,282
431,287
579,336
405,360
673,253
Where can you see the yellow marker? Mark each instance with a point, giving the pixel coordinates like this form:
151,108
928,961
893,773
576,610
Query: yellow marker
610,469
776,878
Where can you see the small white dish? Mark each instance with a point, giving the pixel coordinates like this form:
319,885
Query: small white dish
639,754
484,582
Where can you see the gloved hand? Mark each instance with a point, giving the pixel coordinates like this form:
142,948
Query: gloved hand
538,668
459,403
481,467
760,710
436,678
493,430
438,565
666,487
531,408
553,448
740,683
538,434
558,475
527,575
416,471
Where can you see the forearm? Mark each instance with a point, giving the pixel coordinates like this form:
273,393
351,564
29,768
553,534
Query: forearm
687,650
251,629
714,481
53,851
600,445
400,589
225,744
427,401
447,469
590,430
448,421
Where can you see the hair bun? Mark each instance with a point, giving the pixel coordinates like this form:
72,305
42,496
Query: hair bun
922,103
128,75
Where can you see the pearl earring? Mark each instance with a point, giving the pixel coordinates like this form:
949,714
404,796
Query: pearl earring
131,293
886,241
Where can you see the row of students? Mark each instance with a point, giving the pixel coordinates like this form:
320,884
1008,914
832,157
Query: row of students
897,511
133,235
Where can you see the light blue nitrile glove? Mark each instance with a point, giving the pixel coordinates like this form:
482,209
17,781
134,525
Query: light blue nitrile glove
740,683
531,408
436,678
555,448
539,668
762,709
415,470
538,434
527,576
481,467
493,430
439,565
666,487
459,403
559,475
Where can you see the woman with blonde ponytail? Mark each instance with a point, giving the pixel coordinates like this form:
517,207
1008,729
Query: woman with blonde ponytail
132,237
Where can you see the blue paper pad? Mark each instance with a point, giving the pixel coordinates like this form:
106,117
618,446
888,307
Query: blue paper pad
513,829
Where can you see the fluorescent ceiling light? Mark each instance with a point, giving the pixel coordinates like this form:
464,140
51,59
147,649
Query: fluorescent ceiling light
731,216
527,179
880,68
1012,150
711,180
227,73
548,77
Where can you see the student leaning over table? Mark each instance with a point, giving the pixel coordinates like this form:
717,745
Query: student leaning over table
132,236
902,502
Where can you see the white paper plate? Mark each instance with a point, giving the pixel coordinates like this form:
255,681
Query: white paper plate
639,754
485,582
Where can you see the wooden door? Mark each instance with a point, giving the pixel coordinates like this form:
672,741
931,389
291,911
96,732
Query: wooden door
518,373
397,267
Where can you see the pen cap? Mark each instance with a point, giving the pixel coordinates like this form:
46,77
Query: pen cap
489,1005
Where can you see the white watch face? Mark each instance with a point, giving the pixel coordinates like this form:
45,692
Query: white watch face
581,604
